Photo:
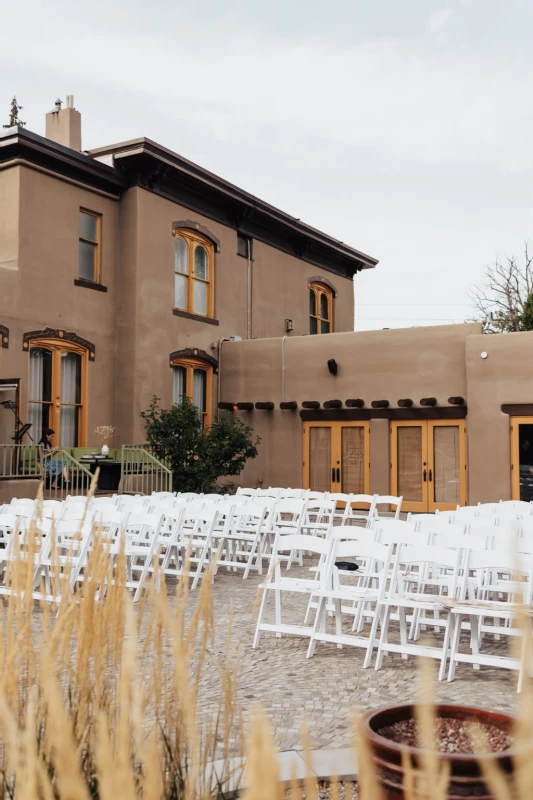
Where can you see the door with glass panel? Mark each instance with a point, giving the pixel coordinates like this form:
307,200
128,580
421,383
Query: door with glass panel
193,379
336,457
522,458
428,464
57,392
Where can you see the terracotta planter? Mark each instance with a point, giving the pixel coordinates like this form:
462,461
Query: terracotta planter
465,774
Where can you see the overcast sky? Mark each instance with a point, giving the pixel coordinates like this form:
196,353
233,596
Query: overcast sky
403,128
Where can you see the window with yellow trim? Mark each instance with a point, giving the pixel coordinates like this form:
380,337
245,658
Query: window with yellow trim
194,259
89,245
57,396
320,309
193,378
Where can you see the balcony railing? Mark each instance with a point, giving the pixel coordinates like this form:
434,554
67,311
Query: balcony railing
142,472
61,474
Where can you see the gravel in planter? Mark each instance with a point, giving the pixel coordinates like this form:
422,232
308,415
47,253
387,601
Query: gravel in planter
451,735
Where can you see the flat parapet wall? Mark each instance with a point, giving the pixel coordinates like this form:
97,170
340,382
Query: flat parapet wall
372,366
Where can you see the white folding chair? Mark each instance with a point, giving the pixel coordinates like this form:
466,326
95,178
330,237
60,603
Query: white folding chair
394,503
279,584
477,604
242,545
369,593
408,557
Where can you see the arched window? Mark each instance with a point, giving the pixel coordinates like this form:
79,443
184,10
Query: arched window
194,258
57,396
193,378
320,308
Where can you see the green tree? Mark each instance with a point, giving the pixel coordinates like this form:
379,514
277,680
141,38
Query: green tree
526,317
198,457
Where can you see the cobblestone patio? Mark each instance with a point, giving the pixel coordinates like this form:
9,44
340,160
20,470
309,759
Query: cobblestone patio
323,690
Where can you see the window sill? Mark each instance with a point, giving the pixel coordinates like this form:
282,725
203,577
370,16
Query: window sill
89,284
198,317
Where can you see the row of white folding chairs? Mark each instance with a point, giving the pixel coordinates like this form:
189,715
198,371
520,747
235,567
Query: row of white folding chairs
396,584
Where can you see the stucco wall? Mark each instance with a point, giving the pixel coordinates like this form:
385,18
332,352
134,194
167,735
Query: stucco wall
37,288
374,365
505,376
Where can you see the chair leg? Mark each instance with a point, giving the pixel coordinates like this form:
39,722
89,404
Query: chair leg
277,600
372,638
260,619
403,630
445,648
338,621
384,634
457,622
319,621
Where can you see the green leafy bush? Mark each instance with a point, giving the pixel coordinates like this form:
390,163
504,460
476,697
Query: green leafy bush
198,457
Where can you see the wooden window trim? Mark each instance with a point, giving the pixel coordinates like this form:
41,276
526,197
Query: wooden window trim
194,239
98,245
190,364
318,289
56,347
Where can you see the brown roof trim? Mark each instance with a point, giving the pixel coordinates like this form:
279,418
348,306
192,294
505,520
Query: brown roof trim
19,143
192,352
61,334
364,414
518,409
4,335
155,168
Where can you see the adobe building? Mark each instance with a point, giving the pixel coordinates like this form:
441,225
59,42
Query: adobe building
128,271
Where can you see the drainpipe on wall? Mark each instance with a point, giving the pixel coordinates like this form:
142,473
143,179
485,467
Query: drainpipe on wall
283,368
219,381
249,309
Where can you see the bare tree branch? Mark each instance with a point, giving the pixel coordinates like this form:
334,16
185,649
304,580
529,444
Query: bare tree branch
501,298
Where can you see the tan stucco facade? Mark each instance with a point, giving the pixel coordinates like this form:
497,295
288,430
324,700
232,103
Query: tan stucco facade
130,321
415,363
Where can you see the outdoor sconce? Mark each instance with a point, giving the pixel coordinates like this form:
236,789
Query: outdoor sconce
288,325
332,366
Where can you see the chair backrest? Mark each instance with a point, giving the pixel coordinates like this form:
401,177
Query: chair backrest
76,511
389,534
363,549
389,500
287,494
456,541
163,495
434,524
352,533
299,541
246,492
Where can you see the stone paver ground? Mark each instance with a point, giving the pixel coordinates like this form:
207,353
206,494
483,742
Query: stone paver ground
322,691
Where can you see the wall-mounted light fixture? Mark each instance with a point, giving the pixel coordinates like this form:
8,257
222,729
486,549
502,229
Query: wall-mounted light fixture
288,324
484,354
332,366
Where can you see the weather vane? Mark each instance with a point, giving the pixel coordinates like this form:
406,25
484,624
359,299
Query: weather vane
14,120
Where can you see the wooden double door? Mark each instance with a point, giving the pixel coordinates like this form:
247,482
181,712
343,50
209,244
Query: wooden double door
428,464
337,457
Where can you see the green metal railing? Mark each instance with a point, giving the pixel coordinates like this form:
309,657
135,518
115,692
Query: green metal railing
61,474
143,473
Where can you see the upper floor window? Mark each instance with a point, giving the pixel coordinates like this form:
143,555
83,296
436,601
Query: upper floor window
194,258
320,308
89,245
192,378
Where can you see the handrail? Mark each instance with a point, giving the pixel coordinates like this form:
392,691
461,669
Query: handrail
141,472
21,461
73,479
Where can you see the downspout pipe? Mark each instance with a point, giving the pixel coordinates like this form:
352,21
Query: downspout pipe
283,368
219,381
249,304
